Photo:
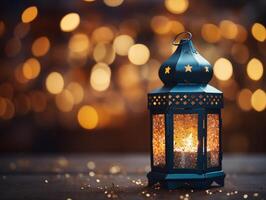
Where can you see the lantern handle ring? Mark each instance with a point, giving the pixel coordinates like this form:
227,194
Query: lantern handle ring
182,36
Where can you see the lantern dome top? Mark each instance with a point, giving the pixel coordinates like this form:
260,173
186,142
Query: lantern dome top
185,65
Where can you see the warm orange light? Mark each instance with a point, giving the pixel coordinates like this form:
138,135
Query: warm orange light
88,117
64,101
2,28
38,101
258,100
29,14
113,3
54,83
2,106
210,33
158,140
79,43
13,47
161,24
9,111
122,43
77,91
223,69
240,53
255,69
70,22
100,77
139,54
21,30
104,53
185,140
213,142
228,29
259,32
176,6
102,34
40,46
244,99
31,68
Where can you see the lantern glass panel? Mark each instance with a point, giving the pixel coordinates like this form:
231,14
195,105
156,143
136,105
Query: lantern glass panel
158,140
212,140
185,140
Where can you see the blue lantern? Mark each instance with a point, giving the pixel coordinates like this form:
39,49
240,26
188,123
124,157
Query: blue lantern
186,122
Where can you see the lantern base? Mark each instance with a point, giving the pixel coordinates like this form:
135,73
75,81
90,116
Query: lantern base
193,181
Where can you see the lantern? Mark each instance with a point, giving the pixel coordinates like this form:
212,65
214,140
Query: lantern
186,122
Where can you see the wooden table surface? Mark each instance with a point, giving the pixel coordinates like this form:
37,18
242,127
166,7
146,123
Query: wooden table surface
77,176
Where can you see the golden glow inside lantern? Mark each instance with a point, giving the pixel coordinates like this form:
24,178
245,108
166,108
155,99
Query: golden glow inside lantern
186,123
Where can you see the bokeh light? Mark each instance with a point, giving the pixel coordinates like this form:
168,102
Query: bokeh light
38,101
64,101
139,54
88,117
2,106
70,22
13,47
79,44
54,83
21,30
258,31
2,28
102,34
100,77
223,69
240,53
210,33
122,43
161,24
113,3
40,46
176,6
9,110
244,99
29,14
228,29
77,91
104,53
31,68
255,69
258,100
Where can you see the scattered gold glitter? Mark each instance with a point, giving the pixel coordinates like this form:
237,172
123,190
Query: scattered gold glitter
185,140
158,140
212,140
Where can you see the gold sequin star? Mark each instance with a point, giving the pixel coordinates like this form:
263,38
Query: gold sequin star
167,70
206,69
188,68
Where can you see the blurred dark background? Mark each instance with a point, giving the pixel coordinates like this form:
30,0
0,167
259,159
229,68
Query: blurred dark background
74,75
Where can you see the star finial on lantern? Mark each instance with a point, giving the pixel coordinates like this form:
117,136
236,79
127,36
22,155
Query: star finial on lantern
188,68
206,69
167,70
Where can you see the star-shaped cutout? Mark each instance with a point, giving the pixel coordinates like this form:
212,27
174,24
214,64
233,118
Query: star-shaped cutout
167,70
206,69
188,68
